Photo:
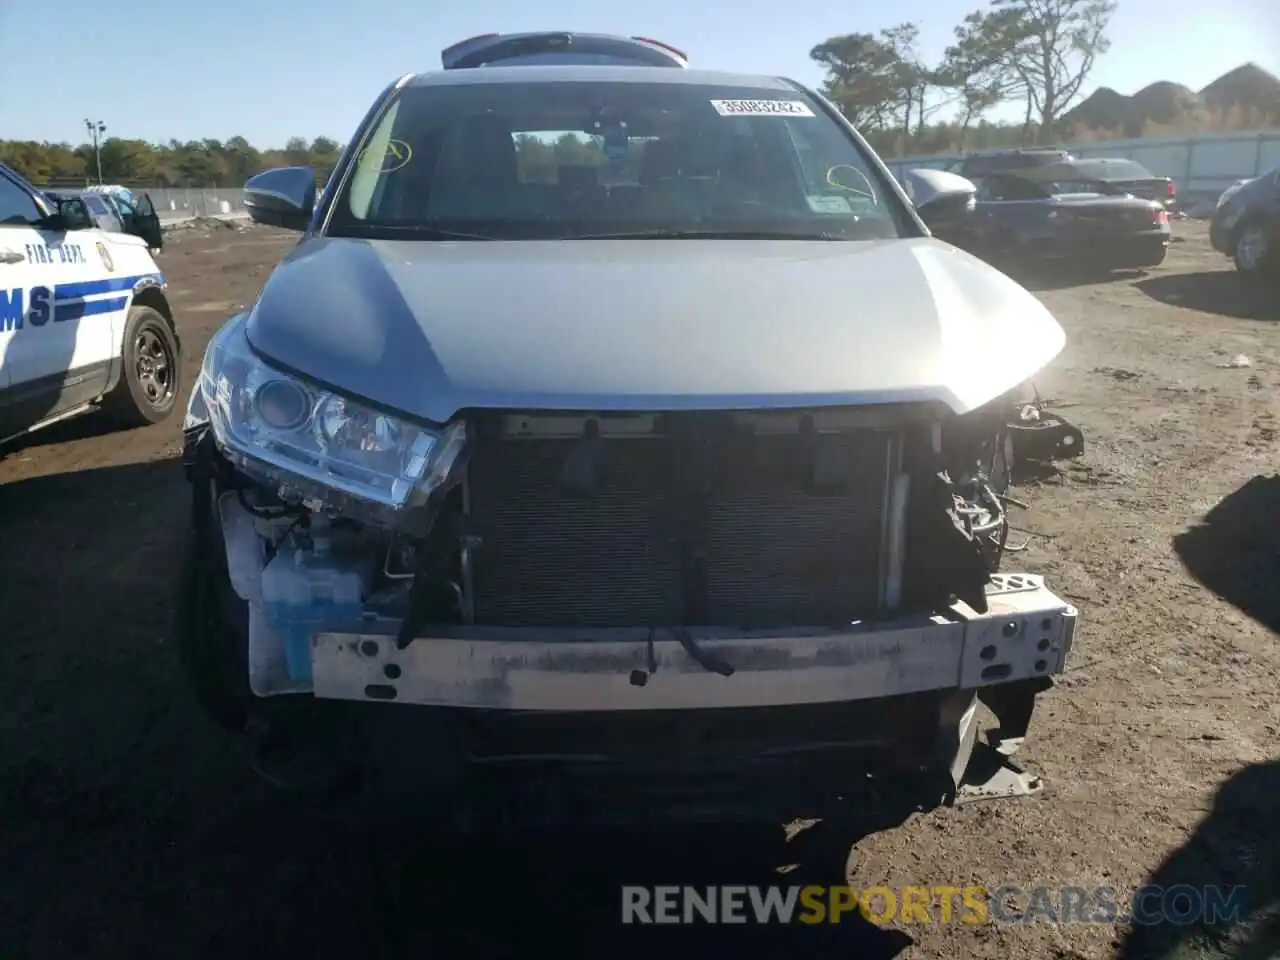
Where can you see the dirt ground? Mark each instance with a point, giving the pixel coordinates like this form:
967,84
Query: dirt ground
131,827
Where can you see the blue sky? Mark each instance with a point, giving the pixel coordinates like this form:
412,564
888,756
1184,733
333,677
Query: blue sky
271,69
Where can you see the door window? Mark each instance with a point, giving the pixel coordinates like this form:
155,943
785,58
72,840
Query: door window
17,208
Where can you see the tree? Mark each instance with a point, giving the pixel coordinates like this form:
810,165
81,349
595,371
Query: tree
981,66
242,158
324,156
865,77
296,152
1043,50
912,77
197,163
880,82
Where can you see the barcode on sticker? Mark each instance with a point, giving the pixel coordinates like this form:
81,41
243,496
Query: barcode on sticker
762,108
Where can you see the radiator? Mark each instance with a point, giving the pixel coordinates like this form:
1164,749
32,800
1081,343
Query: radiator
689,526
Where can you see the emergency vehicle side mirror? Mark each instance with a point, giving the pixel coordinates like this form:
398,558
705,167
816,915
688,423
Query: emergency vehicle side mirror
73,214
283,197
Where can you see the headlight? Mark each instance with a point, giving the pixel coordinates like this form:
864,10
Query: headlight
316,442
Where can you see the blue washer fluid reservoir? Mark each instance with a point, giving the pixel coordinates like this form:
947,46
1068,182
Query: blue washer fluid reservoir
306,592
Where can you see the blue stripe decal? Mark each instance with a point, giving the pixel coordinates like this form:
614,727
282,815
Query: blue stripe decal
87,288
76,309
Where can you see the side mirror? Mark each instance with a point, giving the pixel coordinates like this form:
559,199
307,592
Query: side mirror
283,197
73,214
943,200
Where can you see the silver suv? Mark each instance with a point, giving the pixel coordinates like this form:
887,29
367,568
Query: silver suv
614,420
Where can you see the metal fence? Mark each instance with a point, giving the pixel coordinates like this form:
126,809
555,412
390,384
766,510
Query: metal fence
1202,166
179,203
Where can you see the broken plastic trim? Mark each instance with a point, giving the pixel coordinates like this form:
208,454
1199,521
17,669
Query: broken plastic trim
1041,436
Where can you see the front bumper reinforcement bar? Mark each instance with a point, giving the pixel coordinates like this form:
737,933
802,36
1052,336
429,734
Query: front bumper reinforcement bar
1026,633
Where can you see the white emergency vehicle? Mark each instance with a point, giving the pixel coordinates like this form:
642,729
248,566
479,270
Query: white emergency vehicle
84,319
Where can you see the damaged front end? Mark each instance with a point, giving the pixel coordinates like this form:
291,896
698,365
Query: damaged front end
674,593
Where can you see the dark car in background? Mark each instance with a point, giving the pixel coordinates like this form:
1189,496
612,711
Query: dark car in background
1026,219
1115,176
1246,227
996,161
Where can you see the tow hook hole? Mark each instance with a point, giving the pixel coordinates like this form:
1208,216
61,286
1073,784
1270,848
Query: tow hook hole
639,678
1043,644
997,672
391,671
369,648
1040,666
1010,629
988,652
1046,624
380,691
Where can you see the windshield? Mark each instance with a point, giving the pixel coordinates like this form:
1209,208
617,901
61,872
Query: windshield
565,160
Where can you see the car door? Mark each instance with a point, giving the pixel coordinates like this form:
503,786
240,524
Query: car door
60,339
16,233
100,210
1269,203
981,226
143,221
997,207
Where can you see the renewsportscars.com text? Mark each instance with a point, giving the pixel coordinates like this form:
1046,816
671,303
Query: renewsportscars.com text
970,905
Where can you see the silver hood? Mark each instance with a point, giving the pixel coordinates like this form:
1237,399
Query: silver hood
431,328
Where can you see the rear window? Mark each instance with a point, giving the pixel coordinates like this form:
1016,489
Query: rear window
1111,170
1060,187
572,159
1007,187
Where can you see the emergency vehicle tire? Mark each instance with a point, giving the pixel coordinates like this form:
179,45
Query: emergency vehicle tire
150,380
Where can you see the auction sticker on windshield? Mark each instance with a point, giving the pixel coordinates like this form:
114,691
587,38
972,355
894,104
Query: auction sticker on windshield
762,108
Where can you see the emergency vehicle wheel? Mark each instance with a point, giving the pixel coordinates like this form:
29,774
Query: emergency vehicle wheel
149,383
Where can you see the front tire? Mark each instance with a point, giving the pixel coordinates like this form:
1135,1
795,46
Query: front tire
151,379
1256,253
212,623
294,743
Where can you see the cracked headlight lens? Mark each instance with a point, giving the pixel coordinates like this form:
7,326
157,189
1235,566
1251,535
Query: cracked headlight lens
313,441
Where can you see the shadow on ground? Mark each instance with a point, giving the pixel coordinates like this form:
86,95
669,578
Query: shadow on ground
1235,550
1066,276
132,827
1223,292
81,427
1236,846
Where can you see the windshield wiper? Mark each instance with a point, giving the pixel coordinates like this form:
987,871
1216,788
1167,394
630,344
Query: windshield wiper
708,235
373,230
430,233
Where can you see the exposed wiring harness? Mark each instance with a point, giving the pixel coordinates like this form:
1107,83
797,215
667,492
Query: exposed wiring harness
982,507
706,659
